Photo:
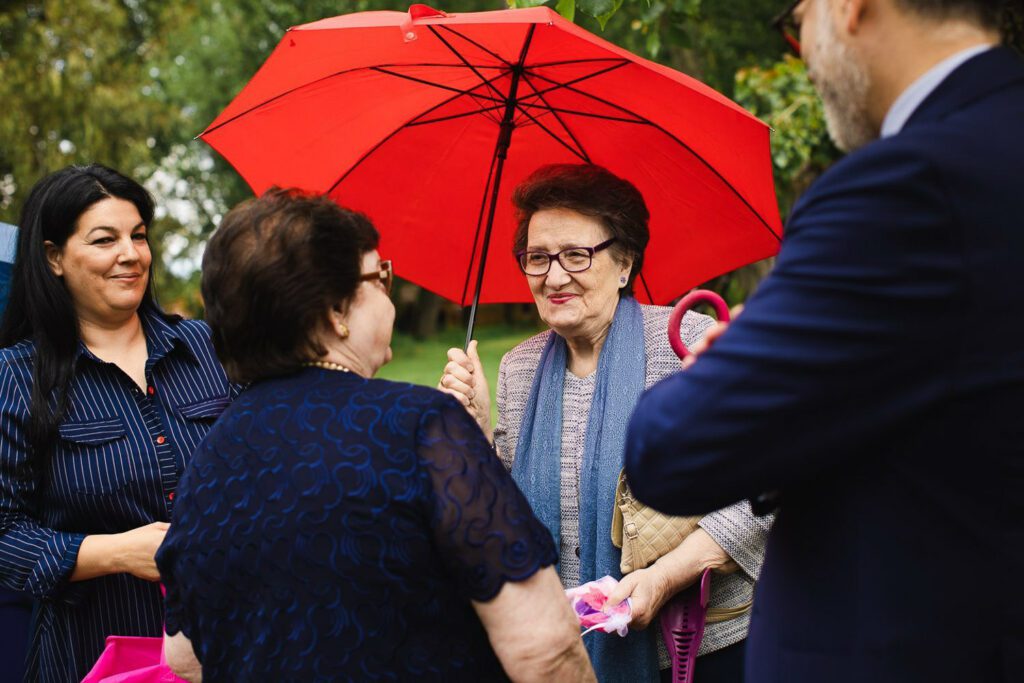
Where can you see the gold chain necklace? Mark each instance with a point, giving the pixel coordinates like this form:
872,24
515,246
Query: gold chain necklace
325,365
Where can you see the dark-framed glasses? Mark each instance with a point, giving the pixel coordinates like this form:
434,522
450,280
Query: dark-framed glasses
572,260
788,26
385,274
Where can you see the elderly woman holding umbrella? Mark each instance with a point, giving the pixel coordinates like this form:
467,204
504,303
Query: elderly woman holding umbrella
564,400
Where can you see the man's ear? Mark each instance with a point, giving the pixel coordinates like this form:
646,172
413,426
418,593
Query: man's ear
54,256
852,13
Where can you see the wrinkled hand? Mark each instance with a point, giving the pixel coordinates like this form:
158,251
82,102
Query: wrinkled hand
464,379
652,587
649,590
137,550
709,338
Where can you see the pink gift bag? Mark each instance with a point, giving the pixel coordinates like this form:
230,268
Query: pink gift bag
132,659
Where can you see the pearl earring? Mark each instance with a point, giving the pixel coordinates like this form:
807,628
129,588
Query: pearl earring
622,281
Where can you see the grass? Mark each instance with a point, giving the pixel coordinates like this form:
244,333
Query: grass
422,361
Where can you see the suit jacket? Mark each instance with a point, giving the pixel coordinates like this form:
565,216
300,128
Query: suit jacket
877,381
734,528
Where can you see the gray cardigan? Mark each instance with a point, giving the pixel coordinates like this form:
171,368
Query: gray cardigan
735,528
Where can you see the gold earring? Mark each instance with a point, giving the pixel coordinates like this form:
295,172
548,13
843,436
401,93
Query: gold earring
343,330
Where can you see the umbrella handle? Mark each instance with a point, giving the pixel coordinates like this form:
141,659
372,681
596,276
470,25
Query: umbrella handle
695,297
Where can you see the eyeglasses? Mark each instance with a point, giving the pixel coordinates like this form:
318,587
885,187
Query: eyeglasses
385,275
572,260
787,25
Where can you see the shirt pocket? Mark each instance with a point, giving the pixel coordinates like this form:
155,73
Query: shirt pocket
96,457
206,410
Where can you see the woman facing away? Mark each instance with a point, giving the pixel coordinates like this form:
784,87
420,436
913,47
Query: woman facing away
103,397
333,526
564,401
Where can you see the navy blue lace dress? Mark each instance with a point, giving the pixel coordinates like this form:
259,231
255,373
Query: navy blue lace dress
336,528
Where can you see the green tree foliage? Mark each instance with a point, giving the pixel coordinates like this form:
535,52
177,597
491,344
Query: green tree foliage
75,83
783,97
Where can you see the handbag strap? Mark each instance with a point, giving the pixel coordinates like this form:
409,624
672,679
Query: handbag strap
717,615
682,626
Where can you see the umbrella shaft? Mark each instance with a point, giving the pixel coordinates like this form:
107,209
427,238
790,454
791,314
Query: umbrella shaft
500,153
487,241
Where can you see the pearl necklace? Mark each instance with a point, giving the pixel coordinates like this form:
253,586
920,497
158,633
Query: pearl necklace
325,365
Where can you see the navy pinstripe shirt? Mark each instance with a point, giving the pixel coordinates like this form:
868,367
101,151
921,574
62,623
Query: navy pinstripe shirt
115,467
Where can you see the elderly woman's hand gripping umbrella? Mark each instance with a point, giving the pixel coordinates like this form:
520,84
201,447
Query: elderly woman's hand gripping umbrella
464,379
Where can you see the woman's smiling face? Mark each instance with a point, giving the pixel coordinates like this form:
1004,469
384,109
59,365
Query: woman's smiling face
105,261
574,304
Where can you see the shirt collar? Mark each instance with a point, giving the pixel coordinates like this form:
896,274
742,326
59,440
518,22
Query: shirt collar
161,338
911,98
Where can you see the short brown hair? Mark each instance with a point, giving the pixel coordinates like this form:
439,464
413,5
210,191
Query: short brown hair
592,191
271,273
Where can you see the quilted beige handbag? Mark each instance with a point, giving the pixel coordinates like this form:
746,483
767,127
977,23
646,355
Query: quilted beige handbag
644,534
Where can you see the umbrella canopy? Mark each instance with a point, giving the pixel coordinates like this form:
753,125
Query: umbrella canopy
426,122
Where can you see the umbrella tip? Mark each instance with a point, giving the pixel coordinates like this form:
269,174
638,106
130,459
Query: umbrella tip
418,12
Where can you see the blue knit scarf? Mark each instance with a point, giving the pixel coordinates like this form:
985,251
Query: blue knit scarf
536,469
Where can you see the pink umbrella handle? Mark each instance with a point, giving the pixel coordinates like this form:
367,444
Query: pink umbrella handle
697,296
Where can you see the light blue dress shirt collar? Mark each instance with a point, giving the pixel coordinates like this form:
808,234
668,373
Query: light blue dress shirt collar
8,242
911,98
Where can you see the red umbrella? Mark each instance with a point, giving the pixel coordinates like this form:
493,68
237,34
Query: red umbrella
426,121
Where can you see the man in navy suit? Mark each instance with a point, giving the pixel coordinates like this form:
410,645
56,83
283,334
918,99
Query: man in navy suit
15,608
874,386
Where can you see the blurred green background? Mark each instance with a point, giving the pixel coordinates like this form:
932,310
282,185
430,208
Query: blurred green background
421,361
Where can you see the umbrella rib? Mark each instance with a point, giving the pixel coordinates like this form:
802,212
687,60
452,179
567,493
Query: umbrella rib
472,68
327,78
583,152
476,44
589,60
439,119
415,121
575,112
567,84
647,289
390,135
682,144
432,83
578,152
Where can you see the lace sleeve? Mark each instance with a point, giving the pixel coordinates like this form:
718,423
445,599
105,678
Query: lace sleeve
482,524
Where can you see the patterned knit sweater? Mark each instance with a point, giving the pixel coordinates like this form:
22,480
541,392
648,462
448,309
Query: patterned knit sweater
734,528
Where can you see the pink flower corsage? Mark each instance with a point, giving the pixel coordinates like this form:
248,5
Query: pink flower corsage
590,601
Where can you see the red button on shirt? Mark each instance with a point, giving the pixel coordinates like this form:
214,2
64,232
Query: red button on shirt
160,439
170,496
151,390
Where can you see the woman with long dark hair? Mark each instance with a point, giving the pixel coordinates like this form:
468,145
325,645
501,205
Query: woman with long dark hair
103,398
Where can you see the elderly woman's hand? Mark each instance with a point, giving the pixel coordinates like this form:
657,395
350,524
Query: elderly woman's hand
652,587
464,379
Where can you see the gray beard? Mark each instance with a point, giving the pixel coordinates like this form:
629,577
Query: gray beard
844,86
